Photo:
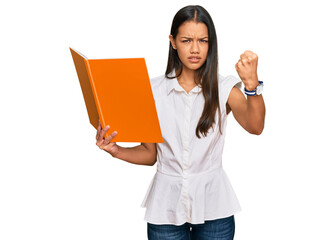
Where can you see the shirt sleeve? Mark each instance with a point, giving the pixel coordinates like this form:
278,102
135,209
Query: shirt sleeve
228,83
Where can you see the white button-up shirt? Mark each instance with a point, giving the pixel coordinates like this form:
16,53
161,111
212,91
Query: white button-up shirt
190,184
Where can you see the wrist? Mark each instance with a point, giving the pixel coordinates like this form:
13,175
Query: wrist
115,152
256,91
251,85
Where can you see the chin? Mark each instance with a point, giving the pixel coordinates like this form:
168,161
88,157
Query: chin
193,67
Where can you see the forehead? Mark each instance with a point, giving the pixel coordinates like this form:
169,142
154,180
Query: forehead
193,29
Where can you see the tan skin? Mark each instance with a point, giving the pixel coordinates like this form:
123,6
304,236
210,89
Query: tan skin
191,42
192,46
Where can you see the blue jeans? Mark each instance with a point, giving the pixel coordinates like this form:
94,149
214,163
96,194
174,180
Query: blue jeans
218,229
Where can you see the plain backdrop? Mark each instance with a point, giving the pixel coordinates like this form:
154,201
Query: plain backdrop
55,183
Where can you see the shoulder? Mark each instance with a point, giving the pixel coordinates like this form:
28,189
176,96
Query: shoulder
159,86
229,81
226,84
157,81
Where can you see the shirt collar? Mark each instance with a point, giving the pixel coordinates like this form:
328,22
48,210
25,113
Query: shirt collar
173,84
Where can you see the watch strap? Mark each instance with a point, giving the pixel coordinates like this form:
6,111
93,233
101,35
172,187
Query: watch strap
253,92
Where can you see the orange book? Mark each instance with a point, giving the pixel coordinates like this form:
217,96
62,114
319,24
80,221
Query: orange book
119,93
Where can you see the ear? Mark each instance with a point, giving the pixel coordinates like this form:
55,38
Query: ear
172,41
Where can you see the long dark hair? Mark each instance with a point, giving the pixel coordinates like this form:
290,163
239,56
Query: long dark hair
207,74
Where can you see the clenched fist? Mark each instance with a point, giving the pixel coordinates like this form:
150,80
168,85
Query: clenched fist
247,69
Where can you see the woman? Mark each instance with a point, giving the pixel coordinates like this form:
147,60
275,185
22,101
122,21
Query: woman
190,196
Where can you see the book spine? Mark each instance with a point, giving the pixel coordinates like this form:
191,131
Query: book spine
102,121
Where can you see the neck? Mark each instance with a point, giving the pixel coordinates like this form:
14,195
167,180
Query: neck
187,77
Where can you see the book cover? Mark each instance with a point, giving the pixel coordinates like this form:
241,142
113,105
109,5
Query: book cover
118,92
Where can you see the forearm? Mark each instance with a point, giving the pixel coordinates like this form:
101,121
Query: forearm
255,114
136,155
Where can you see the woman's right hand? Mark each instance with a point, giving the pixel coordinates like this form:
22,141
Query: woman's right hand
105,143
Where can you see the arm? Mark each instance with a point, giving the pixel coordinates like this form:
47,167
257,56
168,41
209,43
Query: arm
250,112
144,154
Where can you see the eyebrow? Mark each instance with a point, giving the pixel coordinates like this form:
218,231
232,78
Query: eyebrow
192,38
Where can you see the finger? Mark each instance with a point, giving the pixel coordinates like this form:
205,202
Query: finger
110,137
98,129
248,53
250,59
237,65
251,54
104,144
245,61
103,132
99,125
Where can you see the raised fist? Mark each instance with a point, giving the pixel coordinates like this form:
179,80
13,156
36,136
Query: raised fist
247,69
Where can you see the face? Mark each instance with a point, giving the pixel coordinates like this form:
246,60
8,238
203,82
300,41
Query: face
191,44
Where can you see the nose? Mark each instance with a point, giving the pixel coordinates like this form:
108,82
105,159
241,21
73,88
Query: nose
194,48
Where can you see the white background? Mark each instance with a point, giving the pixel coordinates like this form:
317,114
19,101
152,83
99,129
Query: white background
55,183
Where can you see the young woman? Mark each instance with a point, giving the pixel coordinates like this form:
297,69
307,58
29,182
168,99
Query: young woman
190,196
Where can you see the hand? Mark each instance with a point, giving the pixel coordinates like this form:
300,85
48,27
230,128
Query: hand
247,69
105,143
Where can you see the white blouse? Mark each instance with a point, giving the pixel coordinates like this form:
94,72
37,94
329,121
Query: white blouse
190,184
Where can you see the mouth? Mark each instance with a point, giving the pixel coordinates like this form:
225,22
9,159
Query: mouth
194,59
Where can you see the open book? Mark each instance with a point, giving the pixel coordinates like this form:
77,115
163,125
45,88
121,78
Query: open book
119,93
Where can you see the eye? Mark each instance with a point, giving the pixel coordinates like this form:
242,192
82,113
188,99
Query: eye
186,40
203,41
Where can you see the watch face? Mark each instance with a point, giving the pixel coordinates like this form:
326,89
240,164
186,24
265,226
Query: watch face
259,89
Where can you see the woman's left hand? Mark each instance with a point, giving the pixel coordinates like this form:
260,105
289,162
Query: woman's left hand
247,69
